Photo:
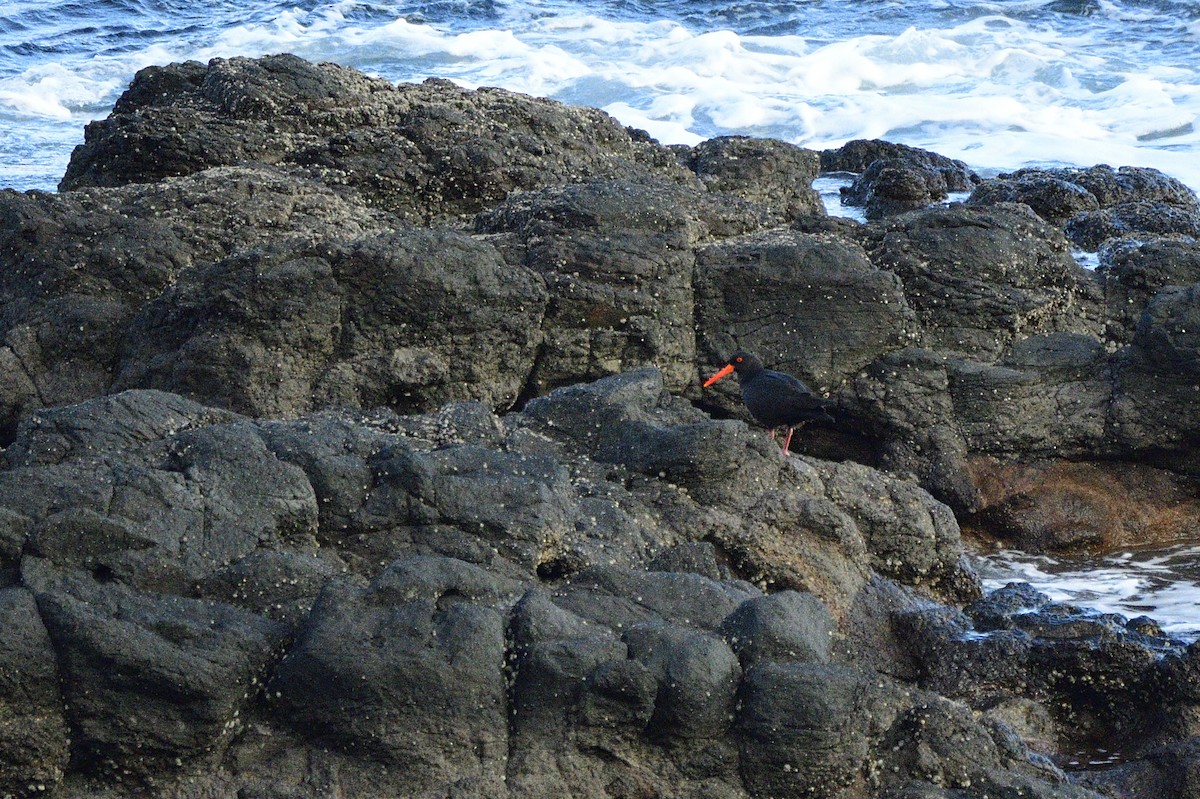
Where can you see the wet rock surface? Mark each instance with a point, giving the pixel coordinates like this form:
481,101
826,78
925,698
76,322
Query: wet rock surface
353,445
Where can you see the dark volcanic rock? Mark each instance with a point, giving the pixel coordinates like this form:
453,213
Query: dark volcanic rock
768,171
152,490
617,258
794,534
409,671
810,304
892,186
783,626
604,592
378,321
420,151
34,737
894,178
807,729
61,325
1091,229
911,537
1098,203
1091,671
1053,198
148,681
980,278
1162,364
433,674
857,155
1135,269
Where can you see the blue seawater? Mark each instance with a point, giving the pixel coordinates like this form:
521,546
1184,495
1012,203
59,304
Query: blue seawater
999,84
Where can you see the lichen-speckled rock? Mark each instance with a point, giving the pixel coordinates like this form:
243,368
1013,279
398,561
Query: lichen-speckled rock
420,151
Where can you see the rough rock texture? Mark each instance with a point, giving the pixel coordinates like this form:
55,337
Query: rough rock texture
354,446
448,151
476,615
278,333
768,171
894,178
80,265
1099,203
1067,675
34,737
1136,269
813,304
267,287
980,279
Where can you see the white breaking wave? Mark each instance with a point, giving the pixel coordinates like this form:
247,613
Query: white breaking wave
993,90
1161,584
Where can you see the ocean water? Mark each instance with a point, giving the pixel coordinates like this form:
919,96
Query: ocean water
1000,84
1163,584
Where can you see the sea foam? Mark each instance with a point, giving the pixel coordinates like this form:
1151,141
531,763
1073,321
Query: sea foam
998,90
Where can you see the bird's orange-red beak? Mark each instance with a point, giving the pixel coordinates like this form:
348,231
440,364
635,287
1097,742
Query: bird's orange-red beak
726,370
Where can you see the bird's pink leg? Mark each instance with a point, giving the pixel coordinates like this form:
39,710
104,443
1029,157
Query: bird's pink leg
787,442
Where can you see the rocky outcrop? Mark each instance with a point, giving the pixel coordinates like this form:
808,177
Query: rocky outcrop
400,590
420,152
943,334
1065,677
766,171
354,446
894,178
1100,203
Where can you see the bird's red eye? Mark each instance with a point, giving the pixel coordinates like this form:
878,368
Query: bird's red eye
739,359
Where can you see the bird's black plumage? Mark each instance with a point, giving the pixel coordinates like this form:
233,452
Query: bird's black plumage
774,399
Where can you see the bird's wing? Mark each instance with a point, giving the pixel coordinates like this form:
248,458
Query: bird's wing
793,396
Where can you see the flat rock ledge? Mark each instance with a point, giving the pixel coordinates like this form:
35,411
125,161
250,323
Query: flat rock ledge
353,445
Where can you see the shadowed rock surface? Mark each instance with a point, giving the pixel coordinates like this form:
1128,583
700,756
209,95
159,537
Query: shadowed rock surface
354,446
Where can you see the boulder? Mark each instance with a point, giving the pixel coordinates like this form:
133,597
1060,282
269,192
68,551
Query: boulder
1053,197
1089,670
148,681
809,304
1090,229
617,259
1160,367
421,151
910,536
807,729
774,173
981,279
283,333
894,178
786,626
61,326
1098,203
406,671
1137,268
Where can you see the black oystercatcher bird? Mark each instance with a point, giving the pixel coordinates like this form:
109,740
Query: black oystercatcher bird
773,398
